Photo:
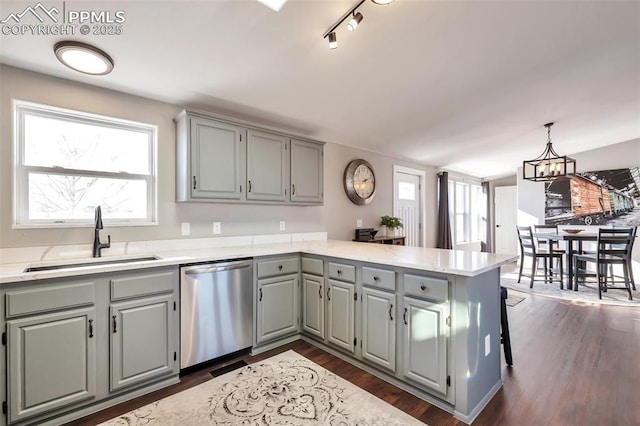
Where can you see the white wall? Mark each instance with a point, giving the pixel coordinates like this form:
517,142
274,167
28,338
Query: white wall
338,215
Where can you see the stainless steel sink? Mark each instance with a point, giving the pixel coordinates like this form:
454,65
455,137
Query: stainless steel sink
89,264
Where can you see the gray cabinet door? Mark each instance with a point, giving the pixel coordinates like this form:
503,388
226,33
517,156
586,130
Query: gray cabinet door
267,166
277,307
379,327
341,314
425,343
216,159
306,172
313,305
51,362
137,354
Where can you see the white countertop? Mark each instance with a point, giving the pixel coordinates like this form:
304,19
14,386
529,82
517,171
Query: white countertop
454,262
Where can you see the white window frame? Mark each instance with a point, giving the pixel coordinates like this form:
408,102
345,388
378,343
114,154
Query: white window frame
21,171
468,214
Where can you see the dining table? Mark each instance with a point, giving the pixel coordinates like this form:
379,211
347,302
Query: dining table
573,239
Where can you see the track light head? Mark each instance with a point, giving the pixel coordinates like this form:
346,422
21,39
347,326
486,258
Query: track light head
333,41
353,22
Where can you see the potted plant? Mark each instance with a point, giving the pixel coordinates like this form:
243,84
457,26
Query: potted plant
391,225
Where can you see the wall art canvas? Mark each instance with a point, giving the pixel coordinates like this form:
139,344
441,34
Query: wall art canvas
602,197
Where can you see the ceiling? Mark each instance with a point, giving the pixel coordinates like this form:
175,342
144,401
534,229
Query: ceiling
461,85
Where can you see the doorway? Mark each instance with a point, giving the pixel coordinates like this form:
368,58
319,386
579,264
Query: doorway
408,203
506,214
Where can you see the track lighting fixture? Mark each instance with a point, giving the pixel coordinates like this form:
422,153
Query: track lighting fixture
353,23
356,18
333,42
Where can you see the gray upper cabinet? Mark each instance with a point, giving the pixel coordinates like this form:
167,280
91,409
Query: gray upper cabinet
267,166
307,164
51,361
225,162
210,159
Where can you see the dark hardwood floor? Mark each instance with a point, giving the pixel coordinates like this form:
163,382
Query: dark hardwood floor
574,364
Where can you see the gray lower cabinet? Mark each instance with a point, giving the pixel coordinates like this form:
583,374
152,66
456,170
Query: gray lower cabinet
307,160
425,342
137,354
341,314
277,307
313,305
75,342
51,361
267,166
379,327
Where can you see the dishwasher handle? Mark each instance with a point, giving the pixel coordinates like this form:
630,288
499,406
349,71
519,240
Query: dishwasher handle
207,269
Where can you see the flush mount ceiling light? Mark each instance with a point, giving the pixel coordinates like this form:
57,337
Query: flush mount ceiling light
549,165
353,23
273,4
83,57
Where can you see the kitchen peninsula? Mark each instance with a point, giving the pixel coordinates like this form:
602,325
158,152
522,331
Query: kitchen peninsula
436,310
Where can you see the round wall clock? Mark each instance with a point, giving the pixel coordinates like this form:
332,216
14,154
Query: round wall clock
359,182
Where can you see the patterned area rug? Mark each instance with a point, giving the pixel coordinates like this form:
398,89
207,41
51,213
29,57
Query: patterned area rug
586,293
286,389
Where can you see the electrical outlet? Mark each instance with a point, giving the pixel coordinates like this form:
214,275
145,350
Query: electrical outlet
282,225
359,223
487,345
186,228
217,228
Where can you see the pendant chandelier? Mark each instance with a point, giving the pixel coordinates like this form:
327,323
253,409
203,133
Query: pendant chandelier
549,165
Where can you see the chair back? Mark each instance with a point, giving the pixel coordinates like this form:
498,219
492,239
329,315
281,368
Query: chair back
525,237
548,229
615,242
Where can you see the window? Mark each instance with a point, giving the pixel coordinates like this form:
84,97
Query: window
69,162
467,211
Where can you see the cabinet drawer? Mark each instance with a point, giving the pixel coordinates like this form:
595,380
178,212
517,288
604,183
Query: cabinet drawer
379,278
127,287
342,272
313,266
49,298
271,268
429,288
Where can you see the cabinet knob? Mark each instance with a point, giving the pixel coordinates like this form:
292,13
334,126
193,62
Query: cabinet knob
339,271
376,278
279,267
423,287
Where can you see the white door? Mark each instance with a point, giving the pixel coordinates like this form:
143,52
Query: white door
506,213
407,205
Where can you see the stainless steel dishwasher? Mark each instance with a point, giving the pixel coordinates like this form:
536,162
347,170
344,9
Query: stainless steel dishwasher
216,310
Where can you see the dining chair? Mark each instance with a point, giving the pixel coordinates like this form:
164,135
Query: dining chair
544,244
528,249
629,263
613,248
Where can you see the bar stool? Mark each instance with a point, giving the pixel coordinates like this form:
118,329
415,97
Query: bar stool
505,337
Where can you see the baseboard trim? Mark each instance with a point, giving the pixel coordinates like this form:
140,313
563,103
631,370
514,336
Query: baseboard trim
255,350
468,419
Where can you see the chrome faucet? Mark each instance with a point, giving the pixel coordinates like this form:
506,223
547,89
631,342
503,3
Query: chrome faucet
97,245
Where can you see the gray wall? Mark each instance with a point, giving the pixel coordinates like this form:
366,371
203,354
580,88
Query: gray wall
338,215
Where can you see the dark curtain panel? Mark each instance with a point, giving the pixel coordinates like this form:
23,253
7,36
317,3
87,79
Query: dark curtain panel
487,244
444,227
